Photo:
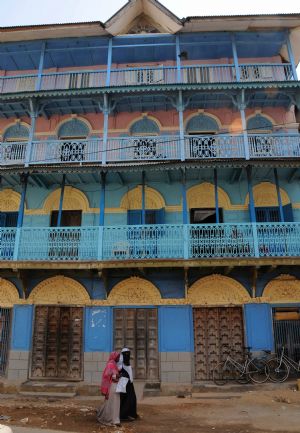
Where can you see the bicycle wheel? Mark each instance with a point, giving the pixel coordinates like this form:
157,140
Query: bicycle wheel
223,373
278,371
258,370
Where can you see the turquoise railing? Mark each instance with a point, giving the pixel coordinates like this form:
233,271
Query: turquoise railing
149,75
148,242
151,148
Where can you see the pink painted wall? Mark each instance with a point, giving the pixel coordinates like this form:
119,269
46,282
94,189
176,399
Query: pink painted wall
167,120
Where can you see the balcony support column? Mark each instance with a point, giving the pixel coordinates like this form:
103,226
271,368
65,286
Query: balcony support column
102,199
24,182
252,211
185,217
216,195
250,193
33,116
291,56
235,58
185,214
109,62
41,67
106,107
241,104
278,195
61,201
180,109
178,59
143,199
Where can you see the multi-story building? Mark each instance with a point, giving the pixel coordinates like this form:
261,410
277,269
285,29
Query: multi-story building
149,194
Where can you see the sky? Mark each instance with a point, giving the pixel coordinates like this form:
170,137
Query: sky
22,12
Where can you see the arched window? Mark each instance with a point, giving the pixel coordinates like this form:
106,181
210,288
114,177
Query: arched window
73,132
259,124
144,146
144,126
17,132
17,136
203,143
261,143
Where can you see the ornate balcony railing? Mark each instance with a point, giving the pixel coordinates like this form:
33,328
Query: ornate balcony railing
214,146
274,145
148,242
143,76
151,148
13,153
144,148
66,151
266,72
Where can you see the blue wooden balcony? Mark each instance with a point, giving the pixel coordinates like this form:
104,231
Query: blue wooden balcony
149,242
150,148
146,76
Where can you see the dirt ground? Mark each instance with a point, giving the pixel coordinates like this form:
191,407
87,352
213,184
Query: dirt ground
256,410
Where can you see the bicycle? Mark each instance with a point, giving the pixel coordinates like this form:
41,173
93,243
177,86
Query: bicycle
280,367
253,369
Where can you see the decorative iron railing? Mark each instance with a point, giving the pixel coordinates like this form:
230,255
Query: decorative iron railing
214,146
146,76
151,148
265,72
65,151
144,148
274,145
149,242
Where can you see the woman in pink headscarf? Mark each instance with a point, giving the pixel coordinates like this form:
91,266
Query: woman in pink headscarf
109,413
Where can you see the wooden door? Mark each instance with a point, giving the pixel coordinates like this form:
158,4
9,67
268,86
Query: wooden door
218,331
57,343
136,328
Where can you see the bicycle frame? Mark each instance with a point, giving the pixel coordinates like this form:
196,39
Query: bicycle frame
242,368
291,363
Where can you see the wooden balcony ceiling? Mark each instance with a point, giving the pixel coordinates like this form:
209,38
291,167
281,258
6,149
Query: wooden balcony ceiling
133,175
272,96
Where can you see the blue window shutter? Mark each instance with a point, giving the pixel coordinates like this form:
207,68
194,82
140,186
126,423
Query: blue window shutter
134,217
259,328
160,216
2,219
267,214
288,213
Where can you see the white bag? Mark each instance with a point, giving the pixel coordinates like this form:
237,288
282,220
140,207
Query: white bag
121,386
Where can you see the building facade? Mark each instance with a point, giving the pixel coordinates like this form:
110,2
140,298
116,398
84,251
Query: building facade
149,194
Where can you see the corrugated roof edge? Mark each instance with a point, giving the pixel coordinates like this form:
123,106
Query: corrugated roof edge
283,14
183,20
31,26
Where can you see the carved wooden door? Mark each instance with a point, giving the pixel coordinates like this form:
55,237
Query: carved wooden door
218,331
57,343
136,328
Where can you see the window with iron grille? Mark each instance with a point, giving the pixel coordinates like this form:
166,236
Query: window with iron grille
5,314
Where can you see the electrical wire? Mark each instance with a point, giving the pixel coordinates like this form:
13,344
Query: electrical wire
135,146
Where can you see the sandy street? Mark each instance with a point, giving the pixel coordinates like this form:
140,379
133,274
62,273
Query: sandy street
255,410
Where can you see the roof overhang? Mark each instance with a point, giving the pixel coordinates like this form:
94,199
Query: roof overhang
50,31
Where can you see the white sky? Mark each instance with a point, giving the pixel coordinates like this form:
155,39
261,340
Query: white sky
21,12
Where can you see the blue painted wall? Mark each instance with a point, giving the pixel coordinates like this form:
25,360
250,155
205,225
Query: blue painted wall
98,330
22,327
175,329
259,327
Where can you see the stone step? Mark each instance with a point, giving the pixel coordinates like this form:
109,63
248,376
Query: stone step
48,394
48,387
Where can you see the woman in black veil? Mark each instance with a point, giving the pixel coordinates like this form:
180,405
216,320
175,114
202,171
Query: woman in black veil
128,406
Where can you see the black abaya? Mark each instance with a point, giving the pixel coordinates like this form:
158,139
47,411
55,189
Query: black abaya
127,400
